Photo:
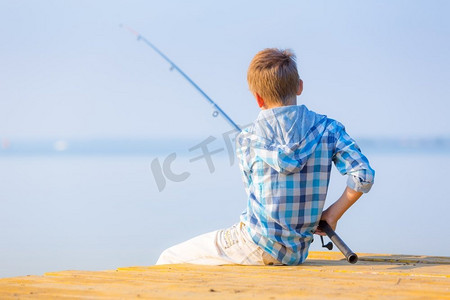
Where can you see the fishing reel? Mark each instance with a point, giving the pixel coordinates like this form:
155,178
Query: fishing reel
329,246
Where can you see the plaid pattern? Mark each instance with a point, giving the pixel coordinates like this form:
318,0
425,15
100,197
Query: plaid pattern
286,157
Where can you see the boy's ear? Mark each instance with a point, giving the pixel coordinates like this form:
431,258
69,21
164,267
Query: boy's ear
259,100
300,88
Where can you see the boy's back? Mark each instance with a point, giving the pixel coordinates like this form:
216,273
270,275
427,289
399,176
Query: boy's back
286,158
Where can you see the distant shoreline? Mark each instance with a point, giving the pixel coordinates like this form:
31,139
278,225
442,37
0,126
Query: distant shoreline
58,147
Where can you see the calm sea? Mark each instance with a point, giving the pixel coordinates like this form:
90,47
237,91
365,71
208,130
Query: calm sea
102,211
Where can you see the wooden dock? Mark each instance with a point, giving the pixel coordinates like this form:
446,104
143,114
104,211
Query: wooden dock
325,275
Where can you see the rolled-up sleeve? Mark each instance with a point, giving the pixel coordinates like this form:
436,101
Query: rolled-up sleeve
350,161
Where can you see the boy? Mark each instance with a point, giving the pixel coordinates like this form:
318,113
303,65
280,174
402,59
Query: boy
285,158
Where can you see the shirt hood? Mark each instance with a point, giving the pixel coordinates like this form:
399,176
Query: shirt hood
283,137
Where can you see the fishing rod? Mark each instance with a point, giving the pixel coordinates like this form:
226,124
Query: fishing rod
216,109
348,253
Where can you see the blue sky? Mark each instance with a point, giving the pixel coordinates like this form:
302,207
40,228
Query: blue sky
69,71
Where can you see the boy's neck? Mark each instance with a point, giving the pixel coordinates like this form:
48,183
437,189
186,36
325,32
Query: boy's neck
270,106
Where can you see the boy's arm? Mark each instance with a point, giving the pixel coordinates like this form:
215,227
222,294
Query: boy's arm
333,213
349,161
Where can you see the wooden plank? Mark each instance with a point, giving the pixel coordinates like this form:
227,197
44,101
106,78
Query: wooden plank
324,275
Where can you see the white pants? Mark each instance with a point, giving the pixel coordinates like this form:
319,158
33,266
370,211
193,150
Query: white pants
220,247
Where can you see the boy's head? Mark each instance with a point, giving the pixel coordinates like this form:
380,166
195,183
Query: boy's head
273,78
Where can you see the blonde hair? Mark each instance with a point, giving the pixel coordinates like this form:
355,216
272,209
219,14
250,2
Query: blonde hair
273,75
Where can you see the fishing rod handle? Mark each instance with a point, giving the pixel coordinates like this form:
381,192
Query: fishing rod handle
348,253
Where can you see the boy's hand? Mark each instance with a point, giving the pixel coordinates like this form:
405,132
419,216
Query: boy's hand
327,218
333,213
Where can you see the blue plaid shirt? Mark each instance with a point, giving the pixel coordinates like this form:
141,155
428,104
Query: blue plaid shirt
285,157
